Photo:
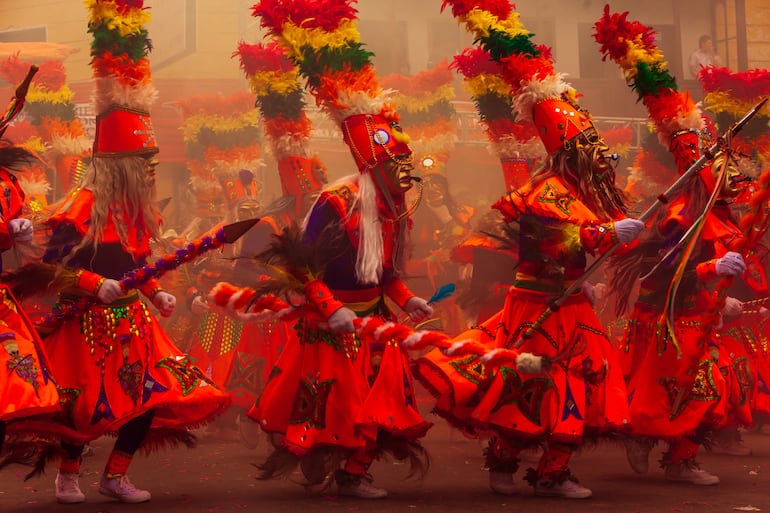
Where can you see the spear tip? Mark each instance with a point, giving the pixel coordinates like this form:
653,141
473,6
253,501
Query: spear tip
234,231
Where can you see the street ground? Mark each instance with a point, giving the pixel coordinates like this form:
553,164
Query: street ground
219,477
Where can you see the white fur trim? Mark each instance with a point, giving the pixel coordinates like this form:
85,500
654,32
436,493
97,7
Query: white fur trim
234,299
284,312
357,102
491,354
379,331
365,322
413,339
456,347
111,92
553,86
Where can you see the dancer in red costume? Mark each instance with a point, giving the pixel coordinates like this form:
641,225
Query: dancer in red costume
729,94
234,354
117,371
28,394
569,208
333,399
677,392
518,147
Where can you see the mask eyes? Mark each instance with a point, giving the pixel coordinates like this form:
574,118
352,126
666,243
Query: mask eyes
381,137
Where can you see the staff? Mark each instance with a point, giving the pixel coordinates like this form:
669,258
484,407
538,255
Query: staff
556,302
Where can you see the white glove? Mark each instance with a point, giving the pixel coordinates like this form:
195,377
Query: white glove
628,229
731,264
529,363
589,292
418,309
341,321
109,291
165,302
21,229
199,306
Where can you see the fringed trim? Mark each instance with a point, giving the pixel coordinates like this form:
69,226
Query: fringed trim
30,452
168,438
406,450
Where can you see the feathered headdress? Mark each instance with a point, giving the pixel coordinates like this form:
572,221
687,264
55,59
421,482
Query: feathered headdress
729,95
425,104
539,93
53,123
678,121
274,79
221,135
632,46
121,67
322,39
514,142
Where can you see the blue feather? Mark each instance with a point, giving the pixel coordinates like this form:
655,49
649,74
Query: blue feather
442,293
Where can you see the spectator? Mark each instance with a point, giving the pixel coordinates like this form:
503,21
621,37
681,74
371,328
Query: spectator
704,56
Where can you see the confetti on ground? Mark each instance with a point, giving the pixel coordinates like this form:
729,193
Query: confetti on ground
746,508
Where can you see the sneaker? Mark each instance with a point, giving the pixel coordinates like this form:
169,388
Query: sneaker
638,454
359,486
567,489
732,447
121,488
689,472
68,489
502,483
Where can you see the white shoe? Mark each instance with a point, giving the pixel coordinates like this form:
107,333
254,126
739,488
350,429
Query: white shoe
690,472
359,486
638,454
68,489
502,483
121,488
567,489
731,448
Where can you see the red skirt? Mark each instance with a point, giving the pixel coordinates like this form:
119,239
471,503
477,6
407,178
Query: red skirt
582,390
27,389
336,390
672,394
114,363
